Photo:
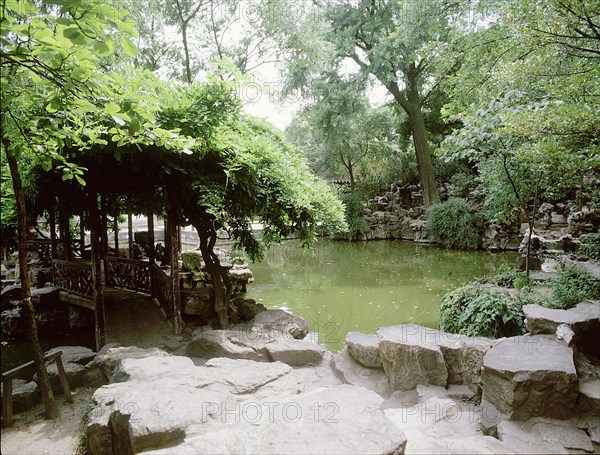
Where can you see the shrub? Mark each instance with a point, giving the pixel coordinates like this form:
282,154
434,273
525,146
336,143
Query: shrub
509,277
573,286
354,214
475,312
591,246
452,225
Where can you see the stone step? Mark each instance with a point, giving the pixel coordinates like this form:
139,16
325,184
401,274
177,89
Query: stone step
530,376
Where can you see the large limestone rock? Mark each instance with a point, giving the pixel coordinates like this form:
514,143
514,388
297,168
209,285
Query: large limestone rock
271,321
543,437
270,342
530,376
411,356
585,317
353,373
233,344
168,405
364,349
589,398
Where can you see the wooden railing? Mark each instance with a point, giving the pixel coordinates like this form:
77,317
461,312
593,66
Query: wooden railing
162,289
75,277
7,377
42,246
128,274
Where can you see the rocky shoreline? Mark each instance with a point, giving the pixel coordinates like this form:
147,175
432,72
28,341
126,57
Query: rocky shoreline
262,388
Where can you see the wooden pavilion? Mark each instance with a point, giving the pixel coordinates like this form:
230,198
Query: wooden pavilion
135,183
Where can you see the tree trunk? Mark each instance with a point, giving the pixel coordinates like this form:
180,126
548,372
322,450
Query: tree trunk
208,237
421,143
411,104
51,411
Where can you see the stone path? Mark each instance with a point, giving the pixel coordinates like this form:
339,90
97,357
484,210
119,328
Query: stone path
134,319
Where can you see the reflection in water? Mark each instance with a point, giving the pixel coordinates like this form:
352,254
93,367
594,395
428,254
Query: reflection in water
340,287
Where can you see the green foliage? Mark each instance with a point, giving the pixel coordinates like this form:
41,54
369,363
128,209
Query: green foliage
475,312
452,225
572,287
353,202
509,277
590,246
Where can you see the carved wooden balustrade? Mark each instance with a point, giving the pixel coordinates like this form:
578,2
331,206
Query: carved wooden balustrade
128,274
75,277
42,246
162,289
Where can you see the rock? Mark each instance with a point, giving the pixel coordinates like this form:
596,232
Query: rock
530,376
74,354
353,373
589,398
535,263
586,370
584,317
463,356
11,322
469,445
409,358
541,437
233,406
192,261
247,308
294,352
566,334
111,355
364,349
280,321
25,395
232,344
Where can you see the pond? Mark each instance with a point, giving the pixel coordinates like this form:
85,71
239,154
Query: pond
339,287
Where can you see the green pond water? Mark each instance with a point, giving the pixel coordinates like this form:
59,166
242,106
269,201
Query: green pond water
339,287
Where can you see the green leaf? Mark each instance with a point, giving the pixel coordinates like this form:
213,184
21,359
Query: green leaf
102,48
112,108
75,36
129,47
80,180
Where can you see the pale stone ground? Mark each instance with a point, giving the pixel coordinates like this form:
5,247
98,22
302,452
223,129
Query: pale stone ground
32,434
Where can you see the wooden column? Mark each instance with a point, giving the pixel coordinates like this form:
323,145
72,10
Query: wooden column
52,221
152,254
130,234
65,233
172,218
95,226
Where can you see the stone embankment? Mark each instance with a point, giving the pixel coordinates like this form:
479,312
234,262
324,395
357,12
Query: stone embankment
399,214
263,388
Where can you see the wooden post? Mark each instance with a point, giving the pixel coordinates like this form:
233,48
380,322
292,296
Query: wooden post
7,402
63,379
65,227
52,217
152,255
173,241
130,233
95,226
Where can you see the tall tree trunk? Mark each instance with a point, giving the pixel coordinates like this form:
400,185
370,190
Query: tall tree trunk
50,409
411,104
421,143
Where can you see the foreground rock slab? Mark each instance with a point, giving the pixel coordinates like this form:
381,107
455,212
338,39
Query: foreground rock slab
409,357
584,317
166,404
530,376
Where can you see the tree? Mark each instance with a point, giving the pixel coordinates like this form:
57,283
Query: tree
394,42
529,115
241,169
